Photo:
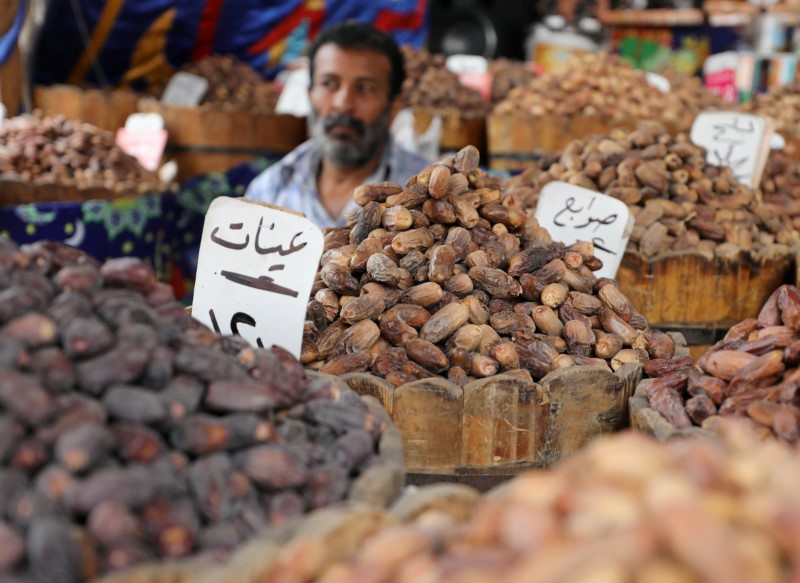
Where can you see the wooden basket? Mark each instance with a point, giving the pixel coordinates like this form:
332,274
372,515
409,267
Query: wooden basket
457,131
496,427
701,298
209,139
517,140
14,191
103,108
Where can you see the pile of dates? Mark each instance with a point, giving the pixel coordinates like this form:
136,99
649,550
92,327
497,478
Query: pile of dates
602,85
233,84
678,200
782,104
507,74
624,509
751,374
430,85
780,186
129,432
440,277
37,148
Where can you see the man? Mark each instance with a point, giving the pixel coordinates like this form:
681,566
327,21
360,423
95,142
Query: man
356,77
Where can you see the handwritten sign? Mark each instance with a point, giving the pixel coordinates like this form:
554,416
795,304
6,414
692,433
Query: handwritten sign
185,90
658,81
571,214
719,74
467,64
737,140
255,271
147,122
293,99
145,145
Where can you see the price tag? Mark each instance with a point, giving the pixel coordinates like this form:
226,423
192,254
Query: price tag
255,270
658,81
737,140
3,113
481,82
293,99
571,214
147,146
467,64
777,142
719,74
185,90
145,122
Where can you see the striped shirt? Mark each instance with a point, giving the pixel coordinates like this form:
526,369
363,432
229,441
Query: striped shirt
292,181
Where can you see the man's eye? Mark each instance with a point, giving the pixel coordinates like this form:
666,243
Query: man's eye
367,88
328,84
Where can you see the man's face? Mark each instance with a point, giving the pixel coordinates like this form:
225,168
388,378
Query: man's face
350,106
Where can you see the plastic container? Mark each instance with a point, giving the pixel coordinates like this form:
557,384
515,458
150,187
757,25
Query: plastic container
552,42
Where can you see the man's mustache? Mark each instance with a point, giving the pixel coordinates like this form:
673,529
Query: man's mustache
346,121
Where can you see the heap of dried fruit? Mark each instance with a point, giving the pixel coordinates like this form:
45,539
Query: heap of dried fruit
506,75
440,277
678,200
429,84
780,187
602,85
130,432
39,148
752,373
232,84
782,104
625,508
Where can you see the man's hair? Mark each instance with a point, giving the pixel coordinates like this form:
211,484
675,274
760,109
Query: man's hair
355,35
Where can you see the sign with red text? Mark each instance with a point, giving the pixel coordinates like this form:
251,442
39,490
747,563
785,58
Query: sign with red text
719,75
255,270
571,214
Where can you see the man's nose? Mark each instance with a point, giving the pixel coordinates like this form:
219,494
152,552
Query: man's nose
343,99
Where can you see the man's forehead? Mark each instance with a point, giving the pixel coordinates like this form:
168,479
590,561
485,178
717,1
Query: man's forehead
333,59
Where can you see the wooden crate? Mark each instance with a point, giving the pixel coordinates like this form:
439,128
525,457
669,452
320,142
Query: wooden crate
209,139
11,71
501,425
457,131
701,298
105,109
516,140
14,191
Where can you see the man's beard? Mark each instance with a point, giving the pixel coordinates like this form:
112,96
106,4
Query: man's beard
351,154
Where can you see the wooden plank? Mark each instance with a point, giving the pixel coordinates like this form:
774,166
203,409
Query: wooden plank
15,191
457,130
368,384
122,105
583,403
489,425
95,104
11,71
683,288
531,422
629,377
429,414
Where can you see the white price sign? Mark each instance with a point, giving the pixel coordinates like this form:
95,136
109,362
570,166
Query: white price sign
737,140
293,99
571,214
467,64
255,270
145,122
3,113
658,81
185,90
777,142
